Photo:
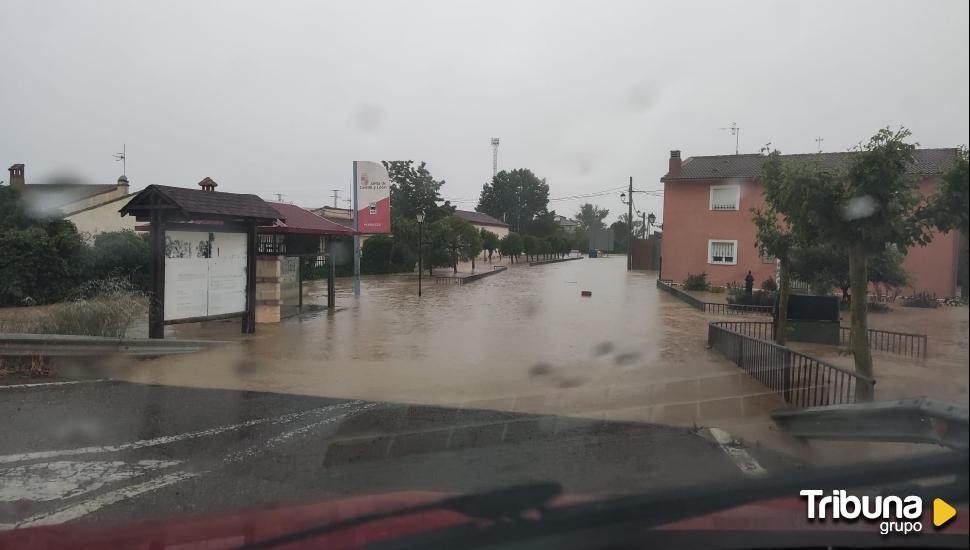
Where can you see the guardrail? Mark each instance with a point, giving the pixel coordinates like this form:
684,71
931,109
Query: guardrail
716,308
800,379
63,345
899,343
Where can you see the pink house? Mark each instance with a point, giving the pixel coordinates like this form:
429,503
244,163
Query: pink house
708,228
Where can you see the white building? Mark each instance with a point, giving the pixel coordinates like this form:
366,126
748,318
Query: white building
484,221
93,208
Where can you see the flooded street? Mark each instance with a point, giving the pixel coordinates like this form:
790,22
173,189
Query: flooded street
522,340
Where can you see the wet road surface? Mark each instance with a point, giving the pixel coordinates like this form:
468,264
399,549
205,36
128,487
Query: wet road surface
103,451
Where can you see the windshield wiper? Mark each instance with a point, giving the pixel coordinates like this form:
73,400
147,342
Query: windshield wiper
502,505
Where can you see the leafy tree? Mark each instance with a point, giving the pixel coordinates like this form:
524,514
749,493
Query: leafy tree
530,246
579,239
869,206
948,209
413,190
545,247
516,196
461,241
375,254
42,260
490,242
590,216
544,225
511,246
772,239
621,236
435,249
825,267
120,254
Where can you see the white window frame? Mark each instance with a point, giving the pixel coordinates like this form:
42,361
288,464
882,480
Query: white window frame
710,251
737,198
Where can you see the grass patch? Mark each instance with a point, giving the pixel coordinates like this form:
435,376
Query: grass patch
97,308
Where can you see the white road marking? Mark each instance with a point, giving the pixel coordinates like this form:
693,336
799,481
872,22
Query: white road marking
285,436
164,440
744,461
45,384
94,504
67,479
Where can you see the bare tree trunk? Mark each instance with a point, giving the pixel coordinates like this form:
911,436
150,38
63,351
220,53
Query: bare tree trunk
859,339
784,290
473,263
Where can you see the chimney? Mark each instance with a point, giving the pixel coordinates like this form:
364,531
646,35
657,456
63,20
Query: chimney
675,164
16,180
208,185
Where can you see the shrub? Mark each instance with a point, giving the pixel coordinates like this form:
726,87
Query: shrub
96,308
385,254
923,299
120,254
769,285
40,264
375,254
696,282
756,298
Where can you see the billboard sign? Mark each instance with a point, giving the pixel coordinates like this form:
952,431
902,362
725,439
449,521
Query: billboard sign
205,274
372,197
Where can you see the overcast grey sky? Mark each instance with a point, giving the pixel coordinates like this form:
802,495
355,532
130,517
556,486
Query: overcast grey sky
280,97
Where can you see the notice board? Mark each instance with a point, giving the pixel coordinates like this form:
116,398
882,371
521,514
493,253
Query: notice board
205,274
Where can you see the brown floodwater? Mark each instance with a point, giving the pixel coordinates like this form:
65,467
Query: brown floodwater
524,339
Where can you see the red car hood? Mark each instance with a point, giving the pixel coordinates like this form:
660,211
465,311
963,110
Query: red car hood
238,528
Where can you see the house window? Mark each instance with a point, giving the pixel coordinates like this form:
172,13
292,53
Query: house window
725,197
722,252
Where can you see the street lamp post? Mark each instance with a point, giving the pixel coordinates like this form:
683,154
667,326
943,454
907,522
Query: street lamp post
420,218
651,219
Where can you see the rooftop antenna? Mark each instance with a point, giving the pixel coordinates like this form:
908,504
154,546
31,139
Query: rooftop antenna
123,158
335,193
736,132
494,157
818,142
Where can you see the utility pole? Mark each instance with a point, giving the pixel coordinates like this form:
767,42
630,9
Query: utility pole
629,242
643,225
818,141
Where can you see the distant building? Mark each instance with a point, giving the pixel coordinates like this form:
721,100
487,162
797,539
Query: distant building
343,216
708,226
93,208
568,225
484,221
